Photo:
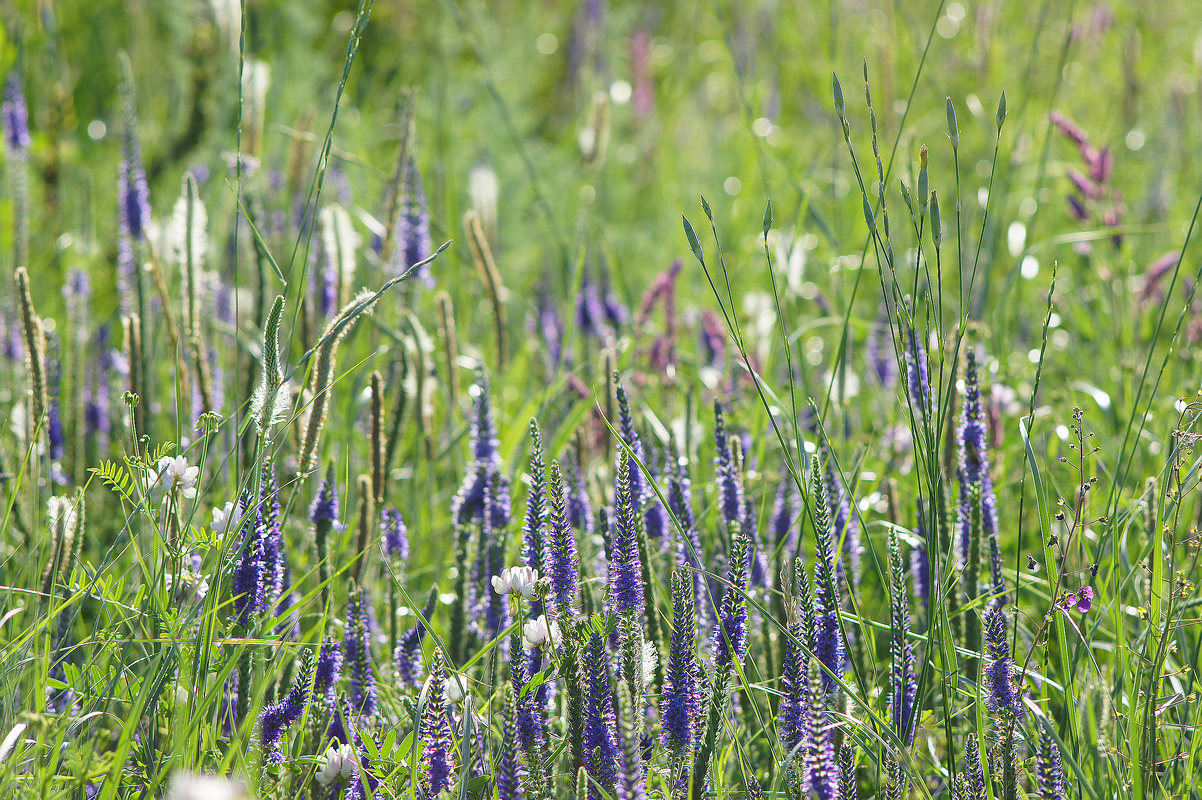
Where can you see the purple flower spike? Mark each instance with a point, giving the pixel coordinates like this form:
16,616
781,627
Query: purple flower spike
357,646
626,574
16,116
394,535
828,638
536,505
413,224
438,753
485,468
680,702
563,562
999,672
278,717
600,741
509,769
327,673
730,639
407,656
729,484
1049,773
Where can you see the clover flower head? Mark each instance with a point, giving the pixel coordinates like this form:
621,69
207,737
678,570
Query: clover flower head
539,632
516,580
175,473
341,764
223,517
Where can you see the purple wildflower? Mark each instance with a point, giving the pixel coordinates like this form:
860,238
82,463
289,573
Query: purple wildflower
794,721
327,673
974,460
16,116
918,383
999,673
413,223
278,717
880,353
1049,774
820,760
828,638
536,506
600,743
972,781
408,651
531,724
729,484
785,515
1084,598
632,440
395,535
324,510
249,573
626,574
730,638
438,754
904,684
469,503
590,311
357,646
509,769
580,510
562,561
680,701
845,529
269,528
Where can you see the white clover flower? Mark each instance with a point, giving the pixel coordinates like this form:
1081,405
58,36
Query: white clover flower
223,518
516,580
189,786
341,763
175,473
192,589
456,687
539,632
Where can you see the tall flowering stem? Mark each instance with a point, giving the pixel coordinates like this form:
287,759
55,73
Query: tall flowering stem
828,638
903,684
626,578
276,718
1049,773
563,564
438,752
600,746
680,701
730,639
357,647
973,466
324,516
730,486
510,775
327,674
533,545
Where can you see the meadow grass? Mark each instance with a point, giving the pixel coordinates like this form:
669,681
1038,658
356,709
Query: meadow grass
548,401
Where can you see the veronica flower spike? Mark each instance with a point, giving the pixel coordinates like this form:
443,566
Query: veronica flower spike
357,647
828,638
276,718
680,702
438,752
563,564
